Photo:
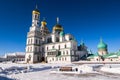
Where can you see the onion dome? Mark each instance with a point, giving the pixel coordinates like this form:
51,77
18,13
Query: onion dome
102,45
57,27
61,33
36,11
82,43
44,23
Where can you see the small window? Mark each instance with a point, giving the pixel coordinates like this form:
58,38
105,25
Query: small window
36,41
53,59
31,41
62,59
57,39
53,47
65,45
35,16
47,48
39,41
66,52
28,41
59,47
35,49
42,49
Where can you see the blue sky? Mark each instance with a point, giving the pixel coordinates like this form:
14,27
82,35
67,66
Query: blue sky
85,19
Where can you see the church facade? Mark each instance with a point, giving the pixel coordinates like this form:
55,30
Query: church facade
103,54
51,47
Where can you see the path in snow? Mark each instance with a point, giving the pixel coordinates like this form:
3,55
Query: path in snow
42,72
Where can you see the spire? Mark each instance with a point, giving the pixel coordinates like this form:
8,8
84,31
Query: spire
57,20
82,43
36,6
44,19
36,11
101,39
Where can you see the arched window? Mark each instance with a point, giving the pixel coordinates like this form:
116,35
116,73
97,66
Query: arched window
35,49
57,39
53,59
65,46
59,47
30,49
53,47
28,41
42,49
59,59
39,41
66,52
35,16
62,59
31,41
36,41
50,40
47,48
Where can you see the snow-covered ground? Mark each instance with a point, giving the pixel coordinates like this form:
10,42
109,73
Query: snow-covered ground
41,71
111,68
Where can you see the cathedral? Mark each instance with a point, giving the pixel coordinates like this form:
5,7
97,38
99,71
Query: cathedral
103,54
51,47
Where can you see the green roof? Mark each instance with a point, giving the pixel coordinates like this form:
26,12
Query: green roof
92,56
102,45
61,33
110,55
82,43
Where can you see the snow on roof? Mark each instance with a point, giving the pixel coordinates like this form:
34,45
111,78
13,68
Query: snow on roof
15,53
113,56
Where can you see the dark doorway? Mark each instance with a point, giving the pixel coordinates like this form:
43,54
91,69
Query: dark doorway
42,59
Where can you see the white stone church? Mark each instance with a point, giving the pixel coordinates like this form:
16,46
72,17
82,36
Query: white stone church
51,47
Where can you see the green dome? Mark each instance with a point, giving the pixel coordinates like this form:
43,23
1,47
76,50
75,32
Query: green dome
102,45
61,33
82,43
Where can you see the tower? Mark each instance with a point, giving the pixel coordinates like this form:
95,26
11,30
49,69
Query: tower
57,28
43,29
56,32
33,39
102,48
82,46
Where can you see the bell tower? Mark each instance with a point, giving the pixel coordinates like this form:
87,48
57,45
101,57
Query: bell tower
35,20
33,53
35,17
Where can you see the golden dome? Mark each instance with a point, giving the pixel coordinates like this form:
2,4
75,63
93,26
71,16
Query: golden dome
57,27
36,11
44,23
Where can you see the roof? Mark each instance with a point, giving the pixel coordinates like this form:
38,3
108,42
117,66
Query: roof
102,45
92,56
118,53
62,33
110,55
57,27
